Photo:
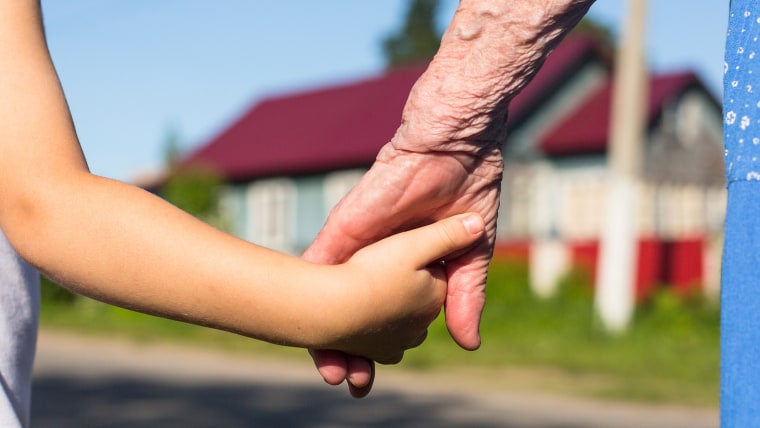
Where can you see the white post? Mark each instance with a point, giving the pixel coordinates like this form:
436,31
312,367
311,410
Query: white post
549,261
616,275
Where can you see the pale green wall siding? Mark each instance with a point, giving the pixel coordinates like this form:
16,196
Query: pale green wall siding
234,209
311,213
308,198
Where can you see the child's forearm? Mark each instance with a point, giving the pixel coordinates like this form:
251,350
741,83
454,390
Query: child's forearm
121,245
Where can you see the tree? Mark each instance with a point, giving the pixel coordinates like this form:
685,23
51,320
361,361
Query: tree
171,148
418,39
602,34
193,189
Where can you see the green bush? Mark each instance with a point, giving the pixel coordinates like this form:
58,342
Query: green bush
53,294
197,191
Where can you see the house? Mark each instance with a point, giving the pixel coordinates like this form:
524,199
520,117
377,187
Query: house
289,159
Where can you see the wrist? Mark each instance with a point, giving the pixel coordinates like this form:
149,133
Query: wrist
335,315
490,51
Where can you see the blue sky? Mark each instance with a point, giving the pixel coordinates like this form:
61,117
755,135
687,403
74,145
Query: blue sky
134,71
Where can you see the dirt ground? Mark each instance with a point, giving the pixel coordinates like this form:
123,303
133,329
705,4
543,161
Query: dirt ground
92,382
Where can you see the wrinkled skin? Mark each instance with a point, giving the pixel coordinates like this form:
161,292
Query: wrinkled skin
404,189
445,159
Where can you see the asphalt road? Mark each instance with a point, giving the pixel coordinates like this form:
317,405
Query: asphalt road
83,382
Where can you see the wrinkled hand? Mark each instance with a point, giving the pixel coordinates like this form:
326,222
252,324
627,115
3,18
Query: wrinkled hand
405,189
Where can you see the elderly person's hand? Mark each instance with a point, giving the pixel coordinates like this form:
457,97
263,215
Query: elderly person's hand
402,190
446,156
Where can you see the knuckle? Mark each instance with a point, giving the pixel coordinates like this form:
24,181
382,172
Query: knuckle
419,340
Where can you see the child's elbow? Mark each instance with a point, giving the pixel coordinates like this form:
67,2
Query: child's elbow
26,219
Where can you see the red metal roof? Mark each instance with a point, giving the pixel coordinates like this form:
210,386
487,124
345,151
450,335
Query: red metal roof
344,126
585,129
334,128
571,54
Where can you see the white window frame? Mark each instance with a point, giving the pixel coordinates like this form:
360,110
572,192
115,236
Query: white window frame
338,184
272,208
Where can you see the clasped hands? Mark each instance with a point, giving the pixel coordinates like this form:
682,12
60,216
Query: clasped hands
403,190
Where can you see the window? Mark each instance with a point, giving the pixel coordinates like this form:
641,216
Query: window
338,184
271,213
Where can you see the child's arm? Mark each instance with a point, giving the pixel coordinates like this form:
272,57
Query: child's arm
122,245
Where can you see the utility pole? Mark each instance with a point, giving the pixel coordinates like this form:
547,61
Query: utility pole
616,274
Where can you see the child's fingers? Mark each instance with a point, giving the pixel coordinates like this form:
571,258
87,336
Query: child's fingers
436,241
361,375
396,358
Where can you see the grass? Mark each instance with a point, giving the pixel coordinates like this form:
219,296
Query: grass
669,355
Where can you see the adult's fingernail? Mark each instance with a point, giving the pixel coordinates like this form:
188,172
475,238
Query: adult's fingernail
473,223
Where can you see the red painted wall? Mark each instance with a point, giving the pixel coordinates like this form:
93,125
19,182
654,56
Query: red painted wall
676,264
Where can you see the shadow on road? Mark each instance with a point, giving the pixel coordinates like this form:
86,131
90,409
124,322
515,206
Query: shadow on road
123,402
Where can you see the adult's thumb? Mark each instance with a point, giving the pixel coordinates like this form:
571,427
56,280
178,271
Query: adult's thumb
435,241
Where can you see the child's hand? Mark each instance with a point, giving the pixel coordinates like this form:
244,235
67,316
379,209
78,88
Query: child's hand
396,289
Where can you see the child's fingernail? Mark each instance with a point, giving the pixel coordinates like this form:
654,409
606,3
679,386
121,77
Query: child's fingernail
473,223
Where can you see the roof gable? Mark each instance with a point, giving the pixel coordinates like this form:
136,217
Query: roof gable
569,57
585,130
